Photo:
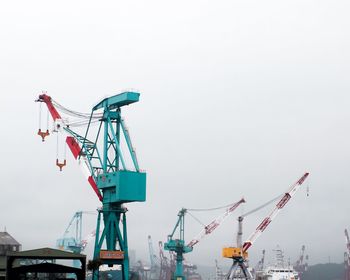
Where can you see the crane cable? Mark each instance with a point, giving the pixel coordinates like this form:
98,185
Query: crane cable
40,109
210,209
226,206
262,206
206,210
40,117
82,119
76,113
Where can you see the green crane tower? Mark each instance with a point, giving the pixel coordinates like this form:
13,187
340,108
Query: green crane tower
178,245
99,153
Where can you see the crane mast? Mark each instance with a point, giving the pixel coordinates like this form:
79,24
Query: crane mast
105,167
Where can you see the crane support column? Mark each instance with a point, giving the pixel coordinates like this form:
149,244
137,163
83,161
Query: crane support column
117,184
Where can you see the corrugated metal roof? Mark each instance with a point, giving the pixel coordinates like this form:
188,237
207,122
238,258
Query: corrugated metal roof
46,253
7,239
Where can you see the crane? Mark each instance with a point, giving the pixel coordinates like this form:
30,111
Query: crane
104,165
153,258
178,245
347,255
301,265
219,275
71,239
72,243
239,254
166,269
261,262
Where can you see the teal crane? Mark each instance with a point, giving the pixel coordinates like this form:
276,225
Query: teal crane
99,154
72,240
72,237
178,245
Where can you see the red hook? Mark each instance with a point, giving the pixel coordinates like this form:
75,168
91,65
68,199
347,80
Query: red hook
43,134
60,165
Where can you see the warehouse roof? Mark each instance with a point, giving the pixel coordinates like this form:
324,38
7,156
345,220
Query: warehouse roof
46,253
7,239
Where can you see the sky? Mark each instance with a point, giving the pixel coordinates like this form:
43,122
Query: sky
238,99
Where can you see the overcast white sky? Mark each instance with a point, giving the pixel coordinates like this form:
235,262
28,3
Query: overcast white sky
238,98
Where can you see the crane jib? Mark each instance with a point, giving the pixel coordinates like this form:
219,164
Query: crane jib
283,201
264,224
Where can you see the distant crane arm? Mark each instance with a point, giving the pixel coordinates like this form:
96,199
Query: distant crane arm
215,223
283,201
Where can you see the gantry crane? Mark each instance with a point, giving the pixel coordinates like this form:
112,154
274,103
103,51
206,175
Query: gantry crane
178,246
239,254
104,164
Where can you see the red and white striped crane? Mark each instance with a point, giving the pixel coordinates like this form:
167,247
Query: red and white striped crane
239,254
279,206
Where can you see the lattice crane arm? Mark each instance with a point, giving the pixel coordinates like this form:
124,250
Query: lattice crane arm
215,223
266,221
72,140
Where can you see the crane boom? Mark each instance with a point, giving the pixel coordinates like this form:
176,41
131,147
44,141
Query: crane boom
283,201
72,143
215,223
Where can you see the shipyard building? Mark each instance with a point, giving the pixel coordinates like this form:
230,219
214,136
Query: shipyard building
7,244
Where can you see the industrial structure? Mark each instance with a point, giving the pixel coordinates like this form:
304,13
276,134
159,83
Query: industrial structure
239,254
178,246
347,256
71,239
167,265
99,154
301,264
43,264
219,274
154,261
7,245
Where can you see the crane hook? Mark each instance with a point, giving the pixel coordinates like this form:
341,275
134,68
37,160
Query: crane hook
60,165
43,134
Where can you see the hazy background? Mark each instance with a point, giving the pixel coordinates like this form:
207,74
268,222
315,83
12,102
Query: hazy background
238,98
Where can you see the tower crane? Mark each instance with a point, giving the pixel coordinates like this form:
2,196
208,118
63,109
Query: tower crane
177,245
104,165
239,254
